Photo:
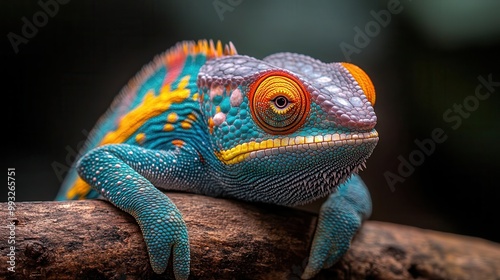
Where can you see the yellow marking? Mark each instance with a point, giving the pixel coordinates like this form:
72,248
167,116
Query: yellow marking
241,157
79,190
244,147
237,159
263,145
168,127
217,109
150,107
277,142
172,117
237,149
251,145
270,143
240,152
140,138
196,96
184,82
186,125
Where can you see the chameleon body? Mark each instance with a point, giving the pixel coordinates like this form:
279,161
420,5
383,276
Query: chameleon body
287,130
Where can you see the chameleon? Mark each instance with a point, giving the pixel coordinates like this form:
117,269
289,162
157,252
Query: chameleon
287,130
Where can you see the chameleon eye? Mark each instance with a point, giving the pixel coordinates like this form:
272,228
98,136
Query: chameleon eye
279,103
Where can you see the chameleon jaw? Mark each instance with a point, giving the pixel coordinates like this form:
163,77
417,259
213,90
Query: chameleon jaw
270,147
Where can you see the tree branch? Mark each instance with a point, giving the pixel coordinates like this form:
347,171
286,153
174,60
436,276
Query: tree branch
229,240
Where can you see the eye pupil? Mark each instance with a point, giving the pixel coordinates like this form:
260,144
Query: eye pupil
281,102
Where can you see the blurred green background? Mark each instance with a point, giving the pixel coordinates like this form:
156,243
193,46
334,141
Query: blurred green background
424,60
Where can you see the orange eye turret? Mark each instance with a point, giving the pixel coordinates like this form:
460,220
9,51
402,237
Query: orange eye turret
363,80
279,102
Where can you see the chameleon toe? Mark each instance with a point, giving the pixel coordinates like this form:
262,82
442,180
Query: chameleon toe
181,260
340,218
164,234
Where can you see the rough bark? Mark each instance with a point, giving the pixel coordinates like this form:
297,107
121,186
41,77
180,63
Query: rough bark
229,240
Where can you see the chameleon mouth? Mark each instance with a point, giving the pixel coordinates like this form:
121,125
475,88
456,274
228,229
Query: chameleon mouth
283,145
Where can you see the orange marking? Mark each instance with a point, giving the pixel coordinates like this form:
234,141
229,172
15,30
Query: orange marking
219,48
363,80
186,125
178,143
191,117
211,125
140,138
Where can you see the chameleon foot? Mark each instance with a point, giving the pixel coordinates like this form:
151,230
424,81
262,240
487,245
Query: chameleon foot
340,218
164,232
122,174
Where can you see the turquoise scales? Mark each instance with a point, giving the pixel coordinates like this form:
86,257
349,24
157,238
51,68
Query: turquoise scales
285,130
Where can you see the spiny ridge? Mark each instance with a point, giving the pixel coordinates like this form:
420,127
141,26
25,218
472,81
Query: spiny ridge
172,57
206,47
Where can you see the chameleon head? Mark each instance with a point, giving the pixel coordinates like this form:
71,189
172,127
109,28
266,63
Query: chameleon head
289,128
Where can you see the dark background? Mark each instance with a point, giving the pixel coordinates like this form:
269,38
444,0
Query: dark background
423,61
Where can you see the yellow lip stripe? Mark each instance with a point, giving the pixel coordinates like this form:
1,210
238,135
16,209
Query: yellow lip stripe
268,147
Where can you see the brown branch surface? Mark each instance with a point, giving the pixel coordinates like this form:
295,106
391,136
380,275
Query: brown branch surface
229,240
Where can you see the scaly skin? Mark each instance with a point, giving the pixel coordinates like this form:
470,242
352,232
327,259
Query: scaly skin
284,130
